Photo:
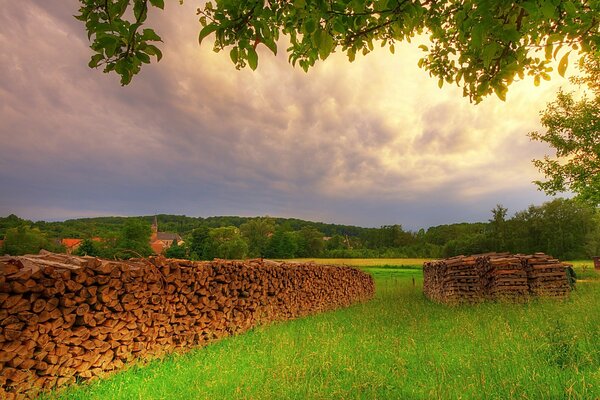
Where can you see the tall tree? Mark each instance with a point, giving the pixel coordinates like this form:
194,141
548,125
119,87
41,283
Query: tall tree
497,229
25,240
573,131
226,242
176,251
310,242
87,248
282,244
134,239
198,243
257,232
481,45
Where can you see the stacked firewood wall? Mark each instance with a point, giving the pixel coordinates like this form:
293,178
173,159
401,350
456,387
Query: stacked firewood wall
503,276
545,275
452,280
64,318
494,276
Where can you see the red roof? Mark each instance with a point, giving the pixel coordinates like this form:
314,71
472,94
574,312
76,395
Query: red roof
70,243
157,246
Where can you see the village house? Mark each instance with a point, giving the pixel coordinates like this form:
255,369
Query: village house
161,241
72,244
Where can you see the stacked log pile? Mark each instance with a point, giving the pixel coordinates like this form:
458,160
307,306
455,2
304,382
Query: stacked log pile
503,276
494,276
453,280
546,275
64,318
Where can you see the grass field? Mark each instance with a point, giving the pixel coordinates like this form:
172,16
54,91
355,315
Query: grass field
397,346
366,262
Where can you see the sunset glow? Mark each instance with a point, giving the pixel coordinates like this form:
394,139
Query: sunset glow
369,143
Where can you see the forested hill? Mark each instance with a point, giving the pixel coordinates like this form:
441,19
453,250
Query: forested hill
563,228
184,225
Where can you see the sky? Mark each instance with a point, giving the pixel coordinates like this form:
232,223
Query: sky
369,143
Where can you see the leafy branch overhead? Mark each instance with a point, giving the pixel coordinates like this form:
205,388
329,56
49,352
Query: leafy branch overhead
481,45
573,131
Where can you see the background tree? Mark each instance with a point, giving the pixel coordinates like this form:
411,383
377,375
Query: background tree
592,239
573,131
176,251
198,243
257,232
481,45
87,248
282,244
12,221
497,228
134,240
226,242
310,242
25,240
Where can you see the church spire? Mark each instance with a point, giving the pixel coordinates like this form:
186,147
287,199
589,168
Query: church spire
155,225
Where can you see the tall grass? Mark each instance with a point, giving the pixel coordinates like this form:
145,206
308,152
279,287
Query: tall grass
397,346
365,262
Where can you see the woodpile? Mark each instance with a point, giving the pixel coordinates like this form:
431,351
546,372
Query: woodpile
503,277
65,318
494,276
546,275
453,280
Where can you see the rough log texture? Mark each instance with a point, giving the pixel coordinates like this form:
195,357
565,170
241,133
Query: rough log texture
64,318
494,276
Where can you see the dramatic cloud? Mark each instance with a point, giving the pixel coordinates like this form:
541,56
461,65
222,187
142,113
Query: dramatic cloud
373,142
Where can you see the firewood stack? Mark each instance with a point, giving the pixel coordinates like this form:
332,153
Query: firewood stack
64,318
453,280
494,276
546,275
503,276
433,276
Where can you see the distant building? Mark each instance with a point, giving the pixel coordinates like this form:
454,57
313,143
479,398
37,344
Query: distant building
72,244
161,241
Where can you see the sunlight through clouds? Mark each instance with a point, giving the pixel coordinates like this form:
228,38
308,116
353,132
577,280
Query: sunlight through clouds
205,139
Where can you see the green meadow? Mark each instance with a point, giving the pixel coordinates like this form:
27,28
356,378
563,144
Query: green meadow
397,346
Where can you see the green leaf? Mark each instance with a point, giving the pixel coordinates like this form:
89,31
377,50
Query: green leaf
145,58
563,64
548,9
271,45
501,92
326,47
158,3
570,8
233,54
149,34
153,51
548,50
488,54
477,36
207,30
309,26
96,58
252,58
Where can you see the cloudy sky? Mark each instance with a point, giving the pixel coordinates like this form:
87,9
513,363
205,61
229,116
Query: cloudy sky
369,143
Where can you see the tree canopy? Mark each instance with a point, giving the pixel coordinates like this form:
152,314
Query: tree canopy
481,45
573,130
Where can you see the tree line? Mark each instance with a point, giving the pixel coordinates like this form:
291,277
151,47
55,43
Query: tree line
564,228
